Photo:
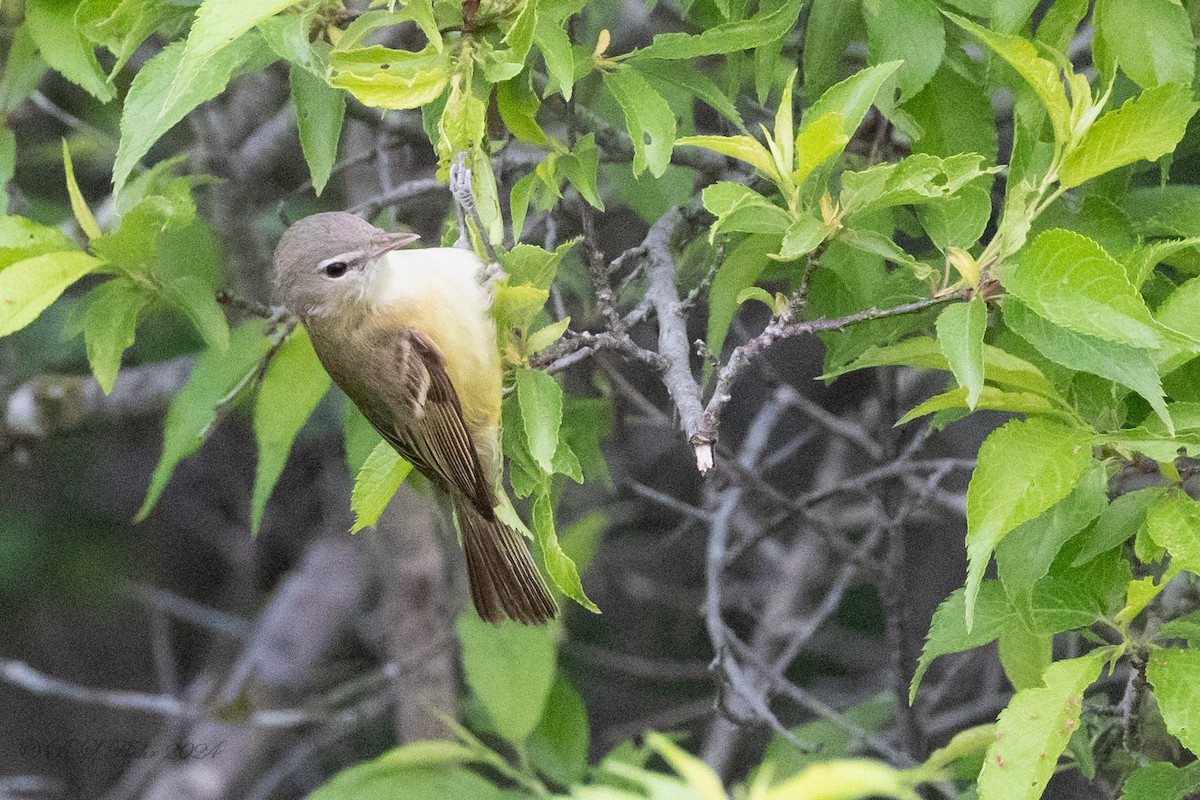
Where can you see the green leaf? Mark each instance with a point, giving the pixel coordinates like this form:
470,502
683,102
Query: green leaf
955,116
763,28
1175,676
648,117
51,24
1041,74
22,238
990,399
739,208
804,234
580,167
528,264
960,331
906,30
218,24
384,78
195,298
743,265
1070,280
1025,555
550,35
1127,366
687,77
1174,523
820,139
916,179
1151,39
293,384
518,106
1023,468
831,27
1146,127
558,747
852,98
541,402
121,25
287,36
844,778
216,381
559,566
148,114
382,778
1162,781
319,112
378,479
1024,655
23,70
1121,520
1033,731
510,668
83,214
29,286
959,220
698,775
743,148
8,165
109,327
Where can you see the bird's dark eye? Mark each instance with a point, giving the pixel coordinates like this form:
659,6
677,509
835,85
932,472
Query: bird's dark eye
335,269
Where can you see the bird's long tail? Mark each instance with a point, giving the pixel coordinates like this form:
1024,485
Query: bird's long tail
504,581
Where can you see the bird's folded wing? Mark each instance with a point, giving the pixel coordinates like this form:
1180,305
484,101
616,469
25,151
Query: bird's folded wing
428,427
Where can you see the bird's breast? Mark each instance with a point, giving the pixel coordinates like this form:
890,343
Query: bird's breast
437,292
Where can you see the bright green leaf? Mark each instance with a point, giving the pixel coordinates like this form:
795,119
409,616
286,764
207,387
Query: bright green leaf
293,384
319,112
906,30
1175,676
510,668
541,402
1162,781
195,298
1070,280
648,117
384,78
743,148
51,24
83,214
109,327
1174,523
1146,127
29,286
763,28
1033,731
216,381
960,331
559,566
558,747
1152,40
1023,468
378,479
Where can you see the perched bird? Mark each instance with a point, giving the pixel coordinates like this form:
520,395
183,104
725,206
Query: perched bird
408,336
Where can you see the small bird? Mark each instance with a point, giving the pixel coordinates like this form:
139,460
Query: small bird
408,336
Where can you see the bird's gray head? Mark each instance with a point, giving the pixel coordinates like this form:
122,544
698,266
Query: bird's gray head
321,261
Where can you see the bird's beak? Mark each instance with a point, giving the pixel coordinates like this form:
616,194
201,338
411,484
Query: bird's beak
390,242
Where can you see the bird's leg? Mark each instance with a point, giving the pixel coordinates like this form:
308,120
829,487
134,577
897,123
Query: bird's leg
464,195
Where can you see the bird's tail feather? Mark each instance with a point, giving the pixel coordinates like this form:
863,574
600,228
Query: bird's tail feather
504,580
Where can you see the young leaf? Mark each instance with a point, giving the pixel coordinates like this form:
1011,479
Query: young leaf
739,208
147,114
510,668
990,399
580,166
743,148
650,121
23,70
29,286
319,112
1034,730
22,238
218,24
1146,127
79,206
109,327
1023,468
378,479
852,98
763,28
559,566
820,139
384,78
51,24
1041,75
960,330
698,775
1127,366
1152,40
541,402
294,383
1070,280
216,380
916,179
1175,676
741,268
906,30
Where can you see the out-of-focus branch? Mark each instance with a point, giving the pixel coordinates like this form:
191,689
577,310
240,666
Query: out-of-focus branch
48,404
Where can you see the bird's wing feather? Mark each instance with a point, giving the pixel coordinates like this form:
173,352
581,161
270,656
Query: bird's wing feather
429,430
